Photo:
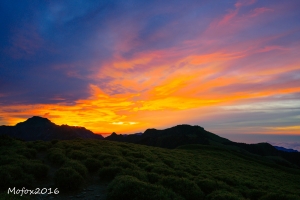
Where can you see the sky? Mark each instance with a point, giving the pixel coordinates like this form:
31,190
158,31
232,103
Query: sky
232,67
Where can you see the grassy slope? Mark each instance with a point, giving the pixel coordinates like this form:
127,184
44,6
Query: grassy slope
143,172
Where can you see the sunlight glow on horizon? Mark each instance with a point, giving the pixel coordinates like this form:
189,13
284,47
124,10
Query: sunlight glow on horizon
230,68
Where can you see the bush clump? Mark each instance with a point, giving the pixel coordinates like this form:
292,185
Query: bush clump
182,186
163,170
109,173
92,164
38,170
77,166
27,152
77,155
254,193
68,179
223,195
135,173
207,185
279,196
153,177
40,145
128,187
57,156
14,176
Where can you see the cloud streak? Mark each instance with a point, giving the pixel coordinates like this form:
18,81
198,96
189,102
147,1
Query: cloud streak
126,66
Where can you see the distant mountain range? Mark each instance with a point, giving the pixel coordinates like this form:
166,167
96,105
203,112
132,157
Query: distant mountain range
284,149
180,135
39,128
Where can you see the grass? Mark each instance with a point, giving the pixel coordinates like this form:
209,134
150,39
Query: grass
143,172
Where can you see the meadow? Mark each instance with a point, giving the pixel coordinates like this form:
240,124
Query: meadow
132,171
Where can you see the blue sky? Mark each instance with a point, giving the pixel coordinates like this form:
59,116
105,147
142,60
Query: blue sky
232,67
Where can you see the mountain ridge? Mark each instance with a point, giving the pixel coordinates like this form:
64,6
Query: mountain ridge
184,134
39,128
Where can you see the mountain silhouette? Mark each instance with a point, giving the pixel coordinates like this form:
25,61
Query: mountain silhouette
285,149
180,136
171,137
185,135
39,128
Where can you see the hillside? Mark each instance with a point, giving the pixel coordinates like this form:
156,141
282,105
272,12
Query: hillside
186,134
39,128
171,137
99,169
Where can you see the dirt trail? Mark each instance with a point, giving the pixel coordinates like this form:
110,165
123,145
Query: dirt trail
93,189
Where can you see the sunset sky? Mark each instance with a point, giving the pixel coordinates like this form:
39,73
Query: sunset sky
232,67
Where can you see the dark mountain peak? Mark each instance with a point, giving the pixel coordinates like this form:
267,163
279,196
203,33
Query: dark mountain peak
171,137
115,137
39,128
150,130
187,128
36,121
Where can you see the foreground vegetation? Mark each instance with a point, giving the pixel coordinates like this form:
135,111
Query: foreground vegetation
141,172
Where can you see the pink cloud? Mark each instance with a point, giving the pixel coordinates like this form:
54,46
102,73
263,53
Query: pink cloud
241,3
259,11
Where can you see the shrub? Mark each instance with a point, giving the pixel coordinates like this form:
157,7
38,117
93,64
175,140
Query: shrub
104,156
223,195
169,162
136,154
92,164
163,170
153,177
109,173
207,185
10,159
12,196
5,178
128,187
230,180
255,193
77,155
14,176
38,170
182,186
77,166
27,152
54,142
56,156
144,165
106,162
124,164
6,140
279,196
41,145
135,173
68,179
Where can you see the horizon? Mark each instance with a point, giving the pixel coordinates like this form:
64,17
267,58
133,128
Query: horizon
114,66
286,141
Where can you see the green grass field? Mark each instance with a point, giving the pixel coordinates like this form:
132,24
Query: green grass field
142,172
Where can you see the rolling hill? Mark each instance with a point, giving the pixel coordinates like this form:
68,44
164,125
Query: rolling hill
186,134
